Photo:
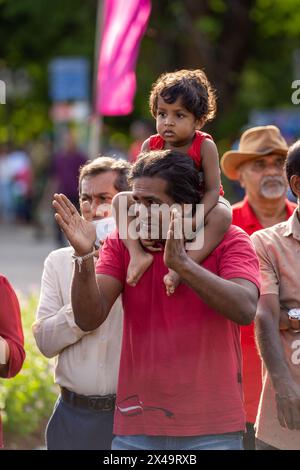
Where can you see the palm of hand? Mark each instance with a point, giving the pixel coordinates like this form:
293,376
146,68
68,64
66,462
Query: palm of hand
173,252
80,232
174,248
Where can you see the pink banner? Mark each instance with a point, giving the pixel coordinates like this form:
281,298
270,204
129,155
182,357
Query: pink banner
124,25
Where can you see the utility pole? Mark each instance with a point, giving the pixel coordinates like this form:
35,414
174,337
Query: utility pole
96,124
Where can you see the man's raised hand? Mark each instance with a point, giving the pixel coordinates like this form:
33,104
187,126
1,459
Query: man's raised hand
175,253
80,233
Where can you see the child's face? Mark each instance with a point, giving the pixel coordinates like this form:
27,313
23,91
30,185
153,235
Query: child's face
174,123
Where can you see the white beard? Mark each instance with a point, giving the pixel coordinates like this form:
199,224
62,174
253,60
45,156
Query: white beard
275,190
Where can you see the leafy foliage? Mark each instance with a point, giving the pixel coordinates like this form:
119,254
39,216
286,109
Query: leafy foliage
32,34
246,48
28,398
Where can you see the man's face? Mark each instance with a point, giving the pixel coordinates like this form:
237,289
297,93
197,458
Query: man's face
150,192
264,177
99,190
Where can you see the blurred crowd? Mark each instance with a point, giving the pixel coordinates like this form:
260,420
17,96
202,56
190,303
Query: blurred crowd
31,173
16,183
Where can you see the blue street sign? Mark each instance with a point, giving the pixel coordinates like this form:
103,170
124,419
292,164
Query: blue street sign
69,79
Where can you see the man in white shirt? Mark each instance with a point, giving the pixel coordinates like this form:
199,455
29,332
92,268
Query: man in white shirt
86,363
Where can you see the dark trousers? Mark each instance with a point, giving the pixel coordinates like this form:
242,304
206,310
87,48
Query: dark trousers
71,428
249,437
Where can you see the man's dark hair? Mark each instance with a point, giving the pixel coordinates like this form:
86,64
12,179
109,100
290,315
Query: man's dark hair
177,169
292,164
192,87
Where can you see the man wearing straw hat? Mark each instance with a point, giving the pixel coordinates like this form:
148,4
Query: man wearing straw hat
258,165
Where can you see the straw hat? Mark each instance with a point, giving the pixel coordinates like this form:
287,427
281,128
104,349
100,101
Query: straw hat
255,143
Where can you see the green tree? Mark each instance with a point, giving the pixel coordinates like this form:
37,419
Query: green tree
32,33
246,48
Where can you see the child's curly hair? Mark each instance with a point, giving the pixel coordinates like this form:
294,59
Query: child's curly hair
194,89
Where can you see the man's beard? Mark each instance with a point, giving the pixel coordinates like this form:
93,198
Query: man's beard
273,187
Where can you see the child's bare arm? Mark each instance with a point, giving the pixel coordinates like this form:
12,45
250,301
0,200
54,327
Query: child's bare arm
146,146
139,259
211,169
216,225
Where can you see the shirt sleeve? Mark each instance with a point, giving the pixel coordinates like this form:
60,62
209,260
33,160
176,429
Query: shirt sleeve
11,326
112,258
239,259
269,279
55,327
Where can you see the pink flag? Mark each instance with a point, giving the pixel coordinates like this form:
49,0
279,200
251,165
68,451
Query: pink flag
124,24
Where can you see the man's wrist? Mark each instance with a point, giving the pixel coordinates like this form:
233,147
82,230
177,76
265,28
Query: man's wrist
84,252
80,260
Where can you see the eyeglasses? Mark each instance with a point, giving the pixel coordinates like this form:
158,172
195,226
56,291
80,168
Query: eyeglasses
132,406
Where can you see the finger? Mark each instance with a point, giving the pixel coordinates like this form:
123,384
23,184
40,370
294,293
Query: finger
177,228
87,211
63,225
173,217
62,212
288,415
286,408
293,415
280,416
177,221
170,234
60,205
69,204
57,200
280,413
296,418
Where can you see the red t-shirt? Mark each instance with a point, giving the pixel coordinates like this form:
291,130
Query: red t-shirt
244,217
156,142
180,370
11,330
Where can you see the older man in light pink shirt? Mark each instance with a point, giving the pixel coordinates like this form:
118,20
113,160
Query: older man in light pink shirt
278,325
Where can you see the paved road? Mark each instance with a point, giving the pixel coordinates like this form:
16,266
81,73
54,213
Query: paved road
22,256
